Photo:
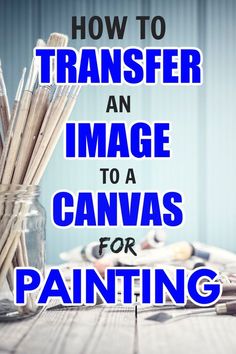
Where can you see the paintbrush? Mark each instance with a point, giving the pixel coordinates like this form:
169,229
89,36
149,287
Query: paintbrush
8,248
10,129
23,111
12,123
46,133
39,105
13,238
4,105
227,308
38,108
49,123
179,251
213,254
55,136
1,146
21,118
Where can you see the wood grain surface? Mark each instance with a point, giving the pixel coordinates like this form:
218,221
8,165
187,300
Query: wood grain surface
115,329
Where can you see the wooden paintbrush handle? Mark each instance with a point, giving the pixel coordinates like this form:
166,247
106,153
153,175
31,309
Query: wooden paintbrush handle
35,117
53,141
15,143
44,138
8,260
1,146
53,106
4,114
229,289
8,138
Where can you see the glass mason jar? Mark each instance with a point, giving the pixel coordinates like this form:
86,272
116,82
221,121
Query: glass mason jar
22,244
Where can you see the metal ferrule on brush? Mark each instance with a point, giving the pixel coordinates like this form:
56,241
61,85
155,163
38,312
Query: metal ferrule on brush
221,309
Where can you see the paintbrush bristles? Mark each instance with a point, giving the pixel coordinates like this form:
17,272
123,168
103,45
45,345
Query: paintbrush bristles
34,69
57,40
4,104
3,86
20,86
40,43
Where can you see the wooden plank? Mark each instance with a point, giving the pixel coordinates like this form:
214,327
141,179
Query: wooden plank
53,331
99,329
200,334
114,332
11,333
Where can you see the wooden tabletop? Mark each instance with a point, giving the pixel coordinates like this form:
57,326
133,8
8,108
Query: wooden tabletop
117,329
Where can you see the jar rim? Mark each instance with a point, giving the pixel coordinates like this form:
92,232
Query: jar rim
23,189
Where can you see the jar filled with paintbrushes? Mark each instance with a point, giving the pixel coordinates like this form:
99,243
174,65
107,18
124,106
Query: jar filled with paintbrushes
22,244
29,132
